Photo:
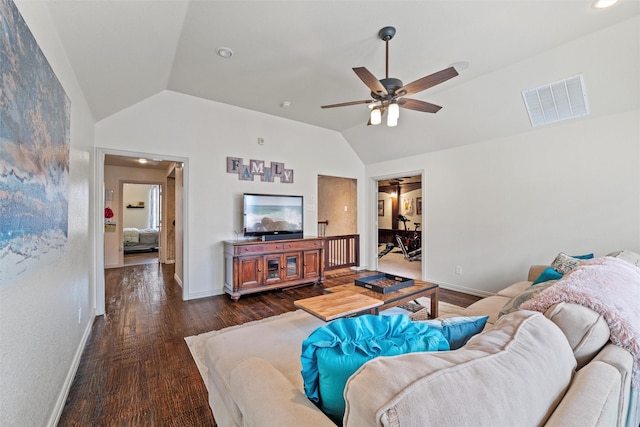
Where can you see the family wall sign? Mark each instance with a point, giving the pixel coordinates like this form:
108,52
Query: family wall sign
258,167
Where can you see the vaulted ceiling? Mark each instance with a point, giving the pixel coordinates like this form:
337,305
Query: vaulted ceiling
303,52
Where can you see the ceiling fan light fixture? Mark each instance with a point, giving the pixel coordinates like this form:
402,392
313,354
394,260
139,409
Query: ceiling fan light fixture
391,121
376,116
394,111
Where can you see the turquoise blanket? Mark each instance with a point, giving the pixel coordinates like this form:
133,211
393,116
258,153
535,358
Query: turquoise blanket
332,353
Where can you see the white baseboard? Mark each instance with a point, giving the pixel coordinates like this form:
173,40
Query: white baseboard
205,294
462,289
75,363
113,266
177,279
170,261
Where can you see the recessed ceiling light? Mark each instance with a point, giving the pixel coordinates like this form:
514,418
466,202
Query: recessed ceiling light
602,4
224,52
142,160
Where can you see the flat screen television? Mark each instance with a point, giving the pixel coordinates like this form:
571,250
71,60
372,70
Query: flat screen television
273,216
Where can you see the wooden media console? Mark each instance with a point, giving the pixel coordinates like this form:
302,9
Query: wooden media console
257,266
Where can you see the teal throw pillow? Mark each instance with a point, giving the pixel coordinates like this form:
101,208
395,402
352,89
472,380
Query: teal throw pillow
548,274
586,256
332,353
458,330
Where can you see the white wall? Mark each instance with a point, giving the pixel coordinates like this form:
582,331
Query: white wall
412,212
497,207
41,336
207,133
384,221
133,194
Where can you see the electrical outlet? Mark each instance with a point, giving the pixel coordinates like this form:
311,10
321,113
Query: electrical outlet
459,269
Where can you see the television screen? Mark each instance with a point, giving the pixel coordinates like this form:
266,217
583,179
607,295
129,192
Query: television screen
266,214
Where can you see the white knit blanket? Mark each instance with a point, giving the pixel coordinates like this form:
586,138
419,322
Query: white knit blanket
610,287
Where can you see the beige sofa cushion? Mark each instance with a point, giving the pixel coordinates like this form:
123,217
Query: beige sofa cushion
487,306
266,398
515,289
513,375
586,330
272,339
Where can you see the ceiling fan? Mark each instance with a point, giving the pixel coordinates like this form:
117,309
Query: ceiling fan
388,94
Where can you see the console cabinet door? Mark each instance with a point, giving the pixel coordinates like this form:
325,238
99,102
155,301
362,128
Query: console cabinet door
273,266
311,264
291,266
250,272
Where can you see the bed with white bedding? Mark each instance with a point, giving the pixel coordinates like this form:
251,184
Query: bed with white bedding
140,240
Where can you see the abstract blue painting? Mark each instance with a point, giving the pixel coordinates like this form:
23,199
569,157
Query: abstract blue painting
34,153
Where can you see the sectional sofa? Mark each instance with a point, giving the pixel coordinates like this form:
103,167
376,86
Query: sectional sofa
557,368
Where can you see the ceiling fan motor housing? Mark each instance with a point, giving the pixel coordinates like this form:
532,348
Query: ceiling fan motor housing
391,85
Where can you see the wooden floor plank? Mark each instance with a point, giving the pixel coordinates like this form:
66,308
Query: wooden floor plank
136,369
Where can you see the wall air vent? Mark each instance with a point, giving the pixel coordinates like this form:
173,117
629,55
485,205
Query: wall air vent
561,100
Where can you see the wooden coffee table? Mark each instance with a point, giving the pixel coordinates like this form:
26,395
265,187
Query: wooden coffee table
337,304
392,299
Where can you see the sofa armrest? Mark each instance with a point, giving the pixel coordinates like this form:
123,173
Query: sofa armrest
592,399
535,271
266,398
622,360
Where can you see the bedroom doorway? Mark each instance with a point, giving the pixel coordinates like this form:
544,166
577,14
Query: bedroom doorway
142,223
116,166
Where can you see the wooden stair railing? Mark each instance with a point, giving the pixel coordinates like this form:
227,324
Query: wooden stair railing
322,228
341,251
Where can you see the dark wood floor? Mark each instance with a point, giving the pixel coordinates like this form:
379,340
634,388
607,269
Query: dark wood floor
136,369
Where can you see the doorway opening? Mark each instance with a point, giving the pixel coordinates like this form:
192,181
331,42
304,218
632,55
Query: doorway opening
400,226
141,207
162,208
337,206
338,221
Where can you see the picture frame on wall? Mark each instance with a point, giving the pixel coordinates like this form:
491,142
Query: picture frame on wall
380,207
419,205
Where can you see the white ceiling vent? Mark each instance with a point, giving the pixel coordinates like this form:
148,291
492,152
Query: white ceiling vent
561,100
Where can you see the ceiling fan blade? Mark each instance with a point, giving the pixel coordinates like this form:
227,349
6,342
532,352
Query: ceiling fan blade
427,82
346,104
414,104
370,80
